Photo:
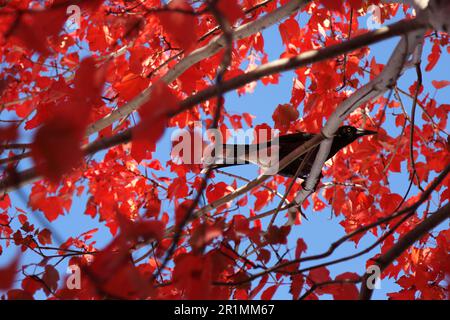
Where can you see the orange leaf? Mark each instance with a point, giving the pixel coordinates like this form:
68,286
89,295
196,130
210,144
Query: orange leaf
440,84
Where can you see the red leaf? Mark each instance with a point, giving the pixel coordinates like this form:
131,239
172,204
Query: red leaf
434,56
17,294
283,116
31,285
8,274
345,291
182,210
8,134
130,85
440,84
356,4
389,202
192,274
51,277
5,201
217,191
33,28
143,230
57,146
296,285
230,9
278,235
178,188
301,248
289,31
264,255
248,118
263,132
52,207
181,27
269,292
262,197
333,5
258,288
154,116
45,237
319,275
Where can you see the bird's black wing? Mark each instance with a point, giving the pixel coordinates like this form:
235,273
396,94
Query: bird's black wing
287,143
297,138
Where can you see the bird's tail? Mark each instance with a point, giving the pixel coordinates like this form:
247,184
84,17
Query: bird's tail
227,155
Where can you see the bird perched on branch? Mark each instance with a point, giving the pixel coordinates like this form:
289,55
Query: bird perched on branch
236,154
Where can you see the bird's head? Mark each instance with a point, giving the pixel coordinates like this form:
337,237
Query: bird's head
349,133
346,135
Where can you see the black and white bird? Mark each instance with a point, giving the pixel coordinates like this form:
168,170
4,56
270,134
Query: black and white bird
237,154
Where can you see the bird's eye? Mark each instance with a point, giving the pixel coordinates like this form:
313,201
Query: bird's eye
348,130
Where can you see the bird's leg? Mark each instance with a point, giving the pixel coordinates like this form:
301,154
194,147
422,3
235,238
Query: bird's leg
315,186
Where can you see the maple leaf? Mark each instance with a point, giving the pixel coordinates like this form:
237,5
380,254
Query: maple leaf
440,84
58,98
130,85
50,278
248,118
217,191
300,248
230,9
345,291
192,274
283,115
34,27
178,189
31,285
333,5
433,57
319,275
143,230
259,287
182,210
17,294
278,235
262,197
57,145
269,292
8,274
389,202
45,237
8,133
180,26
154,116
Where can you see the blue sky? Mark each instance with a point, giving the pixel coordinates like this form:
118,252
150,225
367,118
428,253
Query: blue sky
322,228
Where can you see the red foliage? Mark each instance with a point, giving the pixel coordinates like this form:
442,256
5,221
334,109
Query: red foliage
57,84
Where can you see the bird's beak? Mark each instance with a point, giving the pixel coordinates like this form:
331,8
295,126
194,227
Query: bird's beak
362,132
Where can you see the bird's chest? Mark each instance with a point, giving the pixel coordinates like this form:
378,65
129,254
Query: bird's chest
304,162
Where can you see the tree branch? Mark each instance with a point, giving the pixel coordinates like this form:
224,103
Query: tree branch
372,90
404,243
12,182
196,56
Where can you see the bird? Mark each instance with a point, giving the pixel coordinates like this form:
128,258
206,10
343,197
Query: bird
238,154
